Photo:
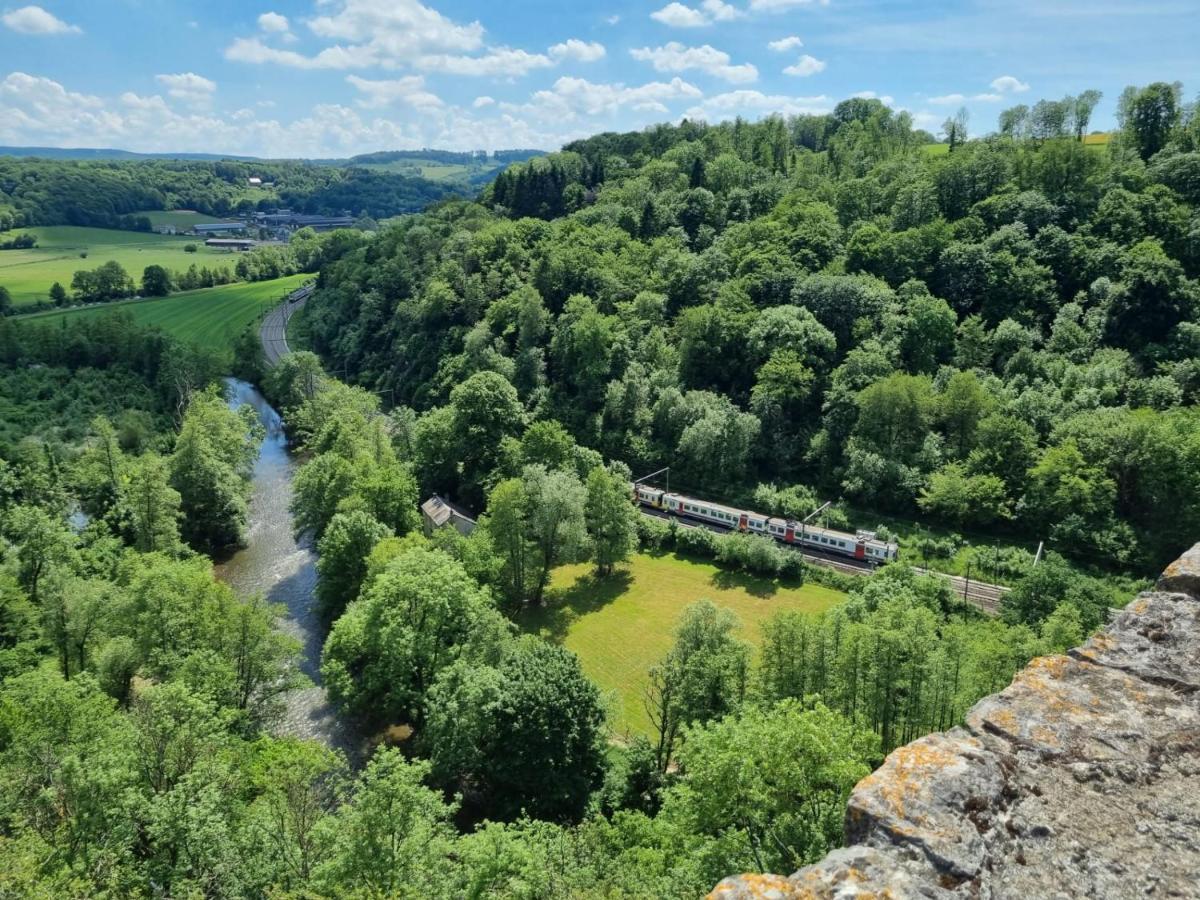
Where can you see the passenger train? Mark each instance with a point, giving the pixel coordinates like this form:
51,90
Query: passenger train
862,545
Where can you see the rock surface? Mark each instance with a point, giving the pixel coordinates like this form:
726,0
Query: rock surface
1081,779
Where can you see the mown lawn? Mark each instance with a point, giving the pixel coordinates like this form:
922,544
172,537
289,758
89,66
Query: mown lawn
28,274
621,626
210,318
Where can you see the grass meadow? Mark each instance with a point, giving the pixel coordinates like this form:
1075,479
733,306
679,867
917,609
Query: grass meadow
211,317
28,274
621,626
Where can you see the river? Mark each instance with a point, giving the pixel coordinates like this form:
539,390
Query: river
273,563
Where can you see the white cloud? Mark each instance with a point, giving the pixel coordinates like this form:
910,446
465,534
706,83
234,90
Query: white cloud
481,102
582,51
806,65
750,102
677,15
188,86
675,57
988,98
783,45
1007,84
35,20
613,19
781,5
948,100
571,98
409,90
719,11
369,33
885,99
500,61
273,22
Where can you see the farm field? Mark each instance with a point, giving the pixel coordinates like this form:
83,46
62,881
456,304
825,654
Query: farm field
623,625
210,318
28,274
180,218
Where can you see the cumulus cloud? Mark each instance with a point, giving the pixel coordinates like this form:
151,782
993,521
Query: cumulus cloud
273,22
481,102
409,91
675,57
751,102
35,20
369,33
885,99
496,62
677,15
188,86
1007,84
783,45
581,51
572,98
806,65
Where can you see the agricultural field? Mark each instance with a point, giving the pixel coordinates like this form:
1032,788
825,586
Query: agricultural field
28,274
621,626
210,318
180,218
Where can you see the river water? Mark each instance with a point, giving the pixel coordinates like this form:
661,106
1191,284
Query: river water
273,563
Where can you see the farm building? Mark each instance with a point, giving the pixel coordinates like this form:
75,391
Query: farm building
230,243
436,512
254,181
218,228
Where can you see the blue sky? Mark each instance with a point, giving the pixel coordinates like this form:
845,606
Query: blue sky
338,77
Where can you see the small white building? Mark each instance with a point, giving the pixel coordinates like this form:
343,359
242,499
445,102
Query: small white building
254,181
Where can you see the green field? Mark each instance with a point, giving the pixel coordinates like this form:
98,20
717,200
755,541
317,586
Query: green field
623,625
28,274
180,218
209,318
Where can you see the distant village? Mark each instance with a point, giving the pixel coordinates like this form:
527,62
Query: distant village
256,228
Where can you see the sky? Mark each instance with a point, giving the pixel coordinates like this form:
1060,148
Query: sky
332,78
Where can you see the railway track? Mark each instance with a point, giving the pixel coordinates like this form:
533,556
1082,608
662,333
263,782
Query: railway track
273,333
983,595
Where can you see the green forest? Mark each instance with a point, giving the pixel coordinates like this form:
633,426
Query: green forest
1003,337
107,194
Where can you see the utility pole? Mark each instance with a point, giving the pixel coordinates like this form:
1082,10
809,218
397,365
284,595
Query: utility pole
666,469
804,521
967,584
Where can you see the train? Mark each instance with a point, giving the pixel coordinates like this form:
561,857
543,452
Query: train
862,545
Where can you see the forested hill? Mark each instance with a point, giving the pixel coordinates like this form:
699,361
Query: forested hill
1002,336
105,193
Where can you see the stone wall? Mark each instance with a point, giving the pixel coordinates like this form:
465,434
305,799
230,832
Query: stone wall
1081,779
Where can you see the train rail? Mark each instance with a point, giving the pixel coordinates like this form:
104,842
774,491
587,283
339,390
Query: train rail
273,333
985,596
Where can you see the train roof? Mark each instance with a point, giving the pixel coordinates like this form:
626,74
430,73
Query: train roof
808,529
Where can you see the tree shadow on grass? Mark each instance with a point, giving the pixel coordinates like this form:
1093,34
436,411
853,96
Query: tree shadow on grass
564,605
754,585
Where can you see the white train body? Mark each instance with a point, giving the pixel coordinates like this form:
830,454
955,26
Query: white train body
863,545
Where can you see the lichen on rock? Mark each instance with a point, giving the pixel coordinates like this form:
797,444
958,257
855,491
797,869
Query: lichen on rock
1080,779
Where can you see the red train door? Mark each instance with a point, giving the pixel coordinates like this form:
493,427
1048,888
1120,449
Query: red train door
743,523
860,551
789,533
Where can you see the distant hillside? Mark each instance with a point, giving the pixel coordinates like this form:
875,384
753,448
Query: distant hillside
88,153
378,158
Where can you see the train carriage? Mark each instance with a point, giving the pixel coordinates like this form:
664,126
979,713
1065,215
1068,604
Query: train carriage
862,545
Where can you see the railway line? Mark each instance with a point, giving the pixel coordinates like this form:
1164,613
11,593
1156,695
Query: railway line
273,333
983,595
